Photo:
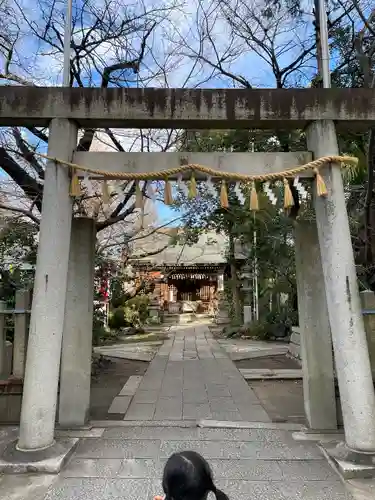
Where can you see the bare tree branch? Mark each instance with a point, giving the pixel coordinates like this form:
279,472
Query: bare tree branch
27,153
28,184
22,211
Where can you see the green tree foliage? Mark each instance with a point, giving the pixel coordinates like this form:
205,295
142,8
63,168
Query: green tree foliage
274,249
354,44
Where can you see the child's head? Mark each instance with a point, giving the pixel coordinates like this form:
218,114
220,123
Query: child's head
187,476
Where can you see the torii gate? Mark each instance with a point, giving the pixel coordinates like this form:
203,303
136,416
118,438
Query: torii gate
327,282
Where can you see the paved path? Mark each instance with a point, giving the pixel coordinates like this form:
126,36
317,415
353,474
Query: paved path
191,377
126,462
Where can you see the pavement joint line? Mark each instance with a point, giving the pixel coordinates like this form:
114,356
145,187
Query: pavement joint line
227,424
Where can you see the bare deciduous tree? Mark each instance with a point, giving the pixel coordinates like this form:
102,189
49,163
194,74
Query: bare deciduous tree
112,45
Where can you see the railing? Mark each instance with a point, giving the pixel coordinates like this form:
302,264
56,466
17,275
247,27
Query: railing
13,355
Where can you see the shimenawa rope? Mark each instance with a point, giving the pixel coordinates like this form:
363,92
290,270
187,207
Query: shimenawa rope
284,175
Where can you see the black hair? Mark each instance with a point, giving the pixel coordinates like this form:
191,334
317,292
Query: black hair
187,476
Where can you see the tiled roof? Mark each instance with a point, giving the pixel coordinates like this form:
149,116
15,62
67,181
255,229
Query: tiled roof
211,248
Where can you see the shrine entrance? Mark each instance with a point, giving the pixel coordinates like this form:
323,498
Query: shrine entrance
193,290
61,317
187,290
188,278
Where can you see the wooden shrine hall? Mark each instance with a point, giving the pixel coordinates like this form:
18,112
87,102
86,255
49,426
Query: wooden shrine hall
187,278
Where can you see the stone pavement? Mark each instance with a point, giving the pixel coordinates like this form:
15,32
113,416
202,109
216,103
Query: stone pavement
191,377
262,462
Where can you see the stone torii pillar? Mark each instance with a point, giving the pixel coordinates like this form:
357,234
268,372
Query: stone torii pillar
48,307
75,379
316,340
343,301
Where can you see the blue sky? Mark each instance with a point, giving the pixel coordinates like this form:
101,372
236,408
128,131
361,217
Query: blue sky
48,68
165,213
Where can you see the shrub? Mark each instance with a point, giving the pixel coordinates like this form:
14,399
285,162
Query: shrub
140,303
259,329
117,319
134,313
99,331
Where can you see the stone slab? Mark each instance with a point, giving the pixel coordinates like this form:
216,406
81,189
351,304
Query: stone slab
146,397
204,423
348,463
253,412
307,470
265,450
120,404
131,385
125,354
100,488
80,433
249,347
227,415
283,490
362,489
140,411
321,436
267,373
239,356
169,408
142,423
193,411
196,433
314,490
25,486
92,467
49,461
117,448
141,468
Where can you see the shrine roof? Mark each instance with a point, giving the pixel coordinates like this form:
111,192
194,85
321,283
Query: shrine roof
210,249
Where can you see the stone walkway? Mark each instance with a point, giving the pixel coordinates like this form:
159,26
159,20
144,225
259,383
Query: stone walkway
191,377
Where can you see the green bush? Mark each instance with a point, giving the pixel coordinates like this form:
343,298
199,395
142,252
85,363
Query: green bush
140,304
134,313
259,329
282,321
99,331
117,319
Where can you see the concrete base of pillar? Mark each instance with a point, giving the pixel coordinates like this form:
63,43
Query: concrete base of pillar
349,464
48,461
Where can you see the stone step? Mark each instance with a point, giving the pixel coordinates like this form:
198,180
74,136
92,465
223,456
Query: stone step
176,319
267,373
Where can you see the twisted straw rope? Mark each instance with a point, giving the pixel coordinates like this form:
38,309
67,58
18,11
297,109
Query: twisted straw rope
164,174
